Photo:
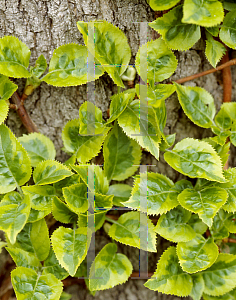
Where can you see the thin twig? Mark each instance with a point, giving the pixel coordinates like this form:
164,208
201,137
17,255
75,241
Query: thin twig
25,118
221,67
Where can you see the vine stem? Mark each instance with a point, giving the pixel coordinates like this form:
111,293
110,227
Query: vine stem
221,67
24,116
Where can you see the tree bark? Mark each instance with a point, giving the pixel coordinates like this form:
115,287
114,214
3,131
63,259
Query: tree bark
44,26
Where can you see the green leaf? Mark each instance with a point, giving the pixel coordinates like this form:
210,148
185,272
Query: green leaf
220,278
4,108
195,159
28,284
197,254
122,155
121,193
84,147
24,259
203,13
126,231
50,171
36,215
205,202
213,30
222,150
99,219
228,296
118,104
228,30
173,225
91,122
40,196
40,66
2,244
162,4
225,117
65,296
62,213
34,238
14,57
177,35
169,278
7,87
51,266
14,212
15,169
68,66
103,201
71,246
197,104
167,142
214,50
156,190
196,223
142,128
229,5
100,183
161,61
198,287
109,269
110,47
156,95
39,147
76,197
230,188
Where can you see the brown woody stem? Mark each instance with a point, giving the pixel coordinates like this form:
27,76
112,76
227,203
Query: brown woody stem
25,118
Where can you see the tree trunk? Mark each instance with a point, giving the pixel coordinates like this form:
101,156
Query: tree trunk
45,25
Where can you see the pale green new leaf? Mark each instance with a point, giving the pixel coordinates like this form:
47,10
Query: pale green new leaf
214,50
195,159
109,269
161,61
118,104
71,246
34,238
110,47
76,197
51,266
14,214
173,225
155,191
197,254
169,278
197,104
122,155
156,95
177,35
162,4
126,231
90,119
15,168
205,202
228,30
50,171
220,278
38,146
68,66
94,177
14,57
40,196
40,66
28,284
141,127
203,13
230,188
62,213
228,296
7,88
121,193
24,259
83,147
